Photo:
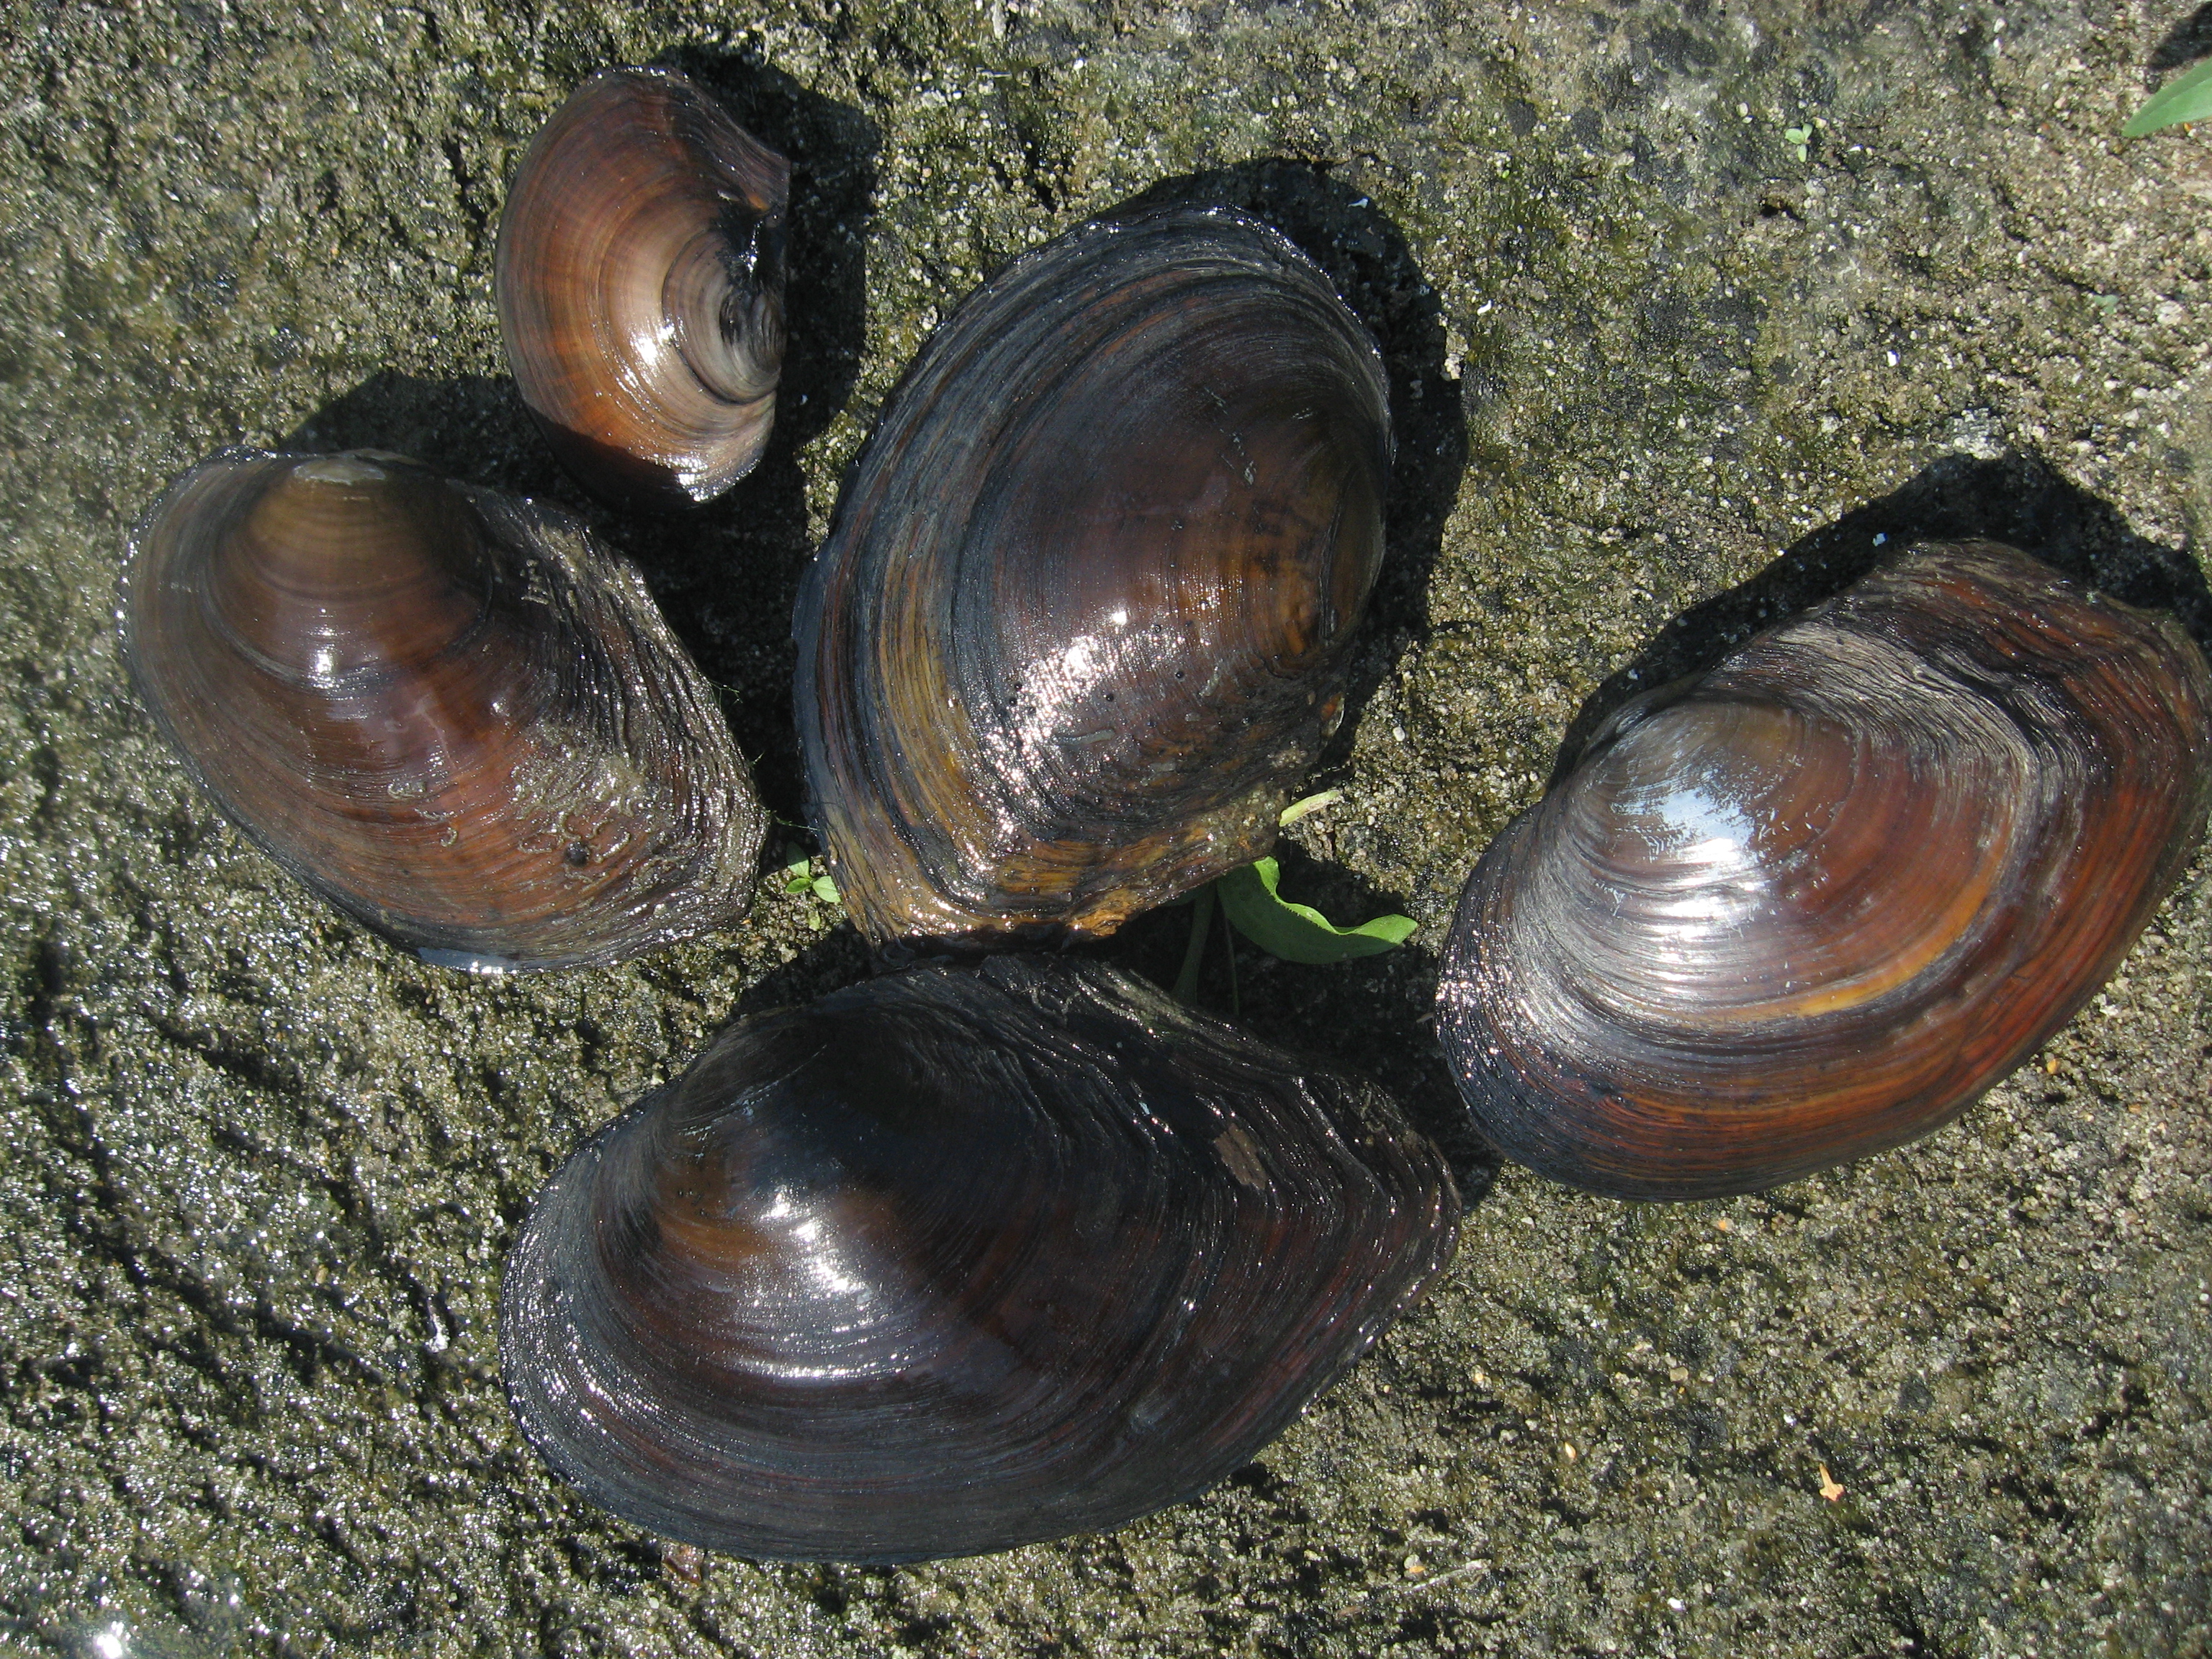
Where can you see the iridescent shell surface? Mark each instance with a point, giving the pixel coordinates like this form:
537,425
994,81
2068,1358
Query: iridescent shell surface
449,712
1808,905
1084,613
640,283
958,1259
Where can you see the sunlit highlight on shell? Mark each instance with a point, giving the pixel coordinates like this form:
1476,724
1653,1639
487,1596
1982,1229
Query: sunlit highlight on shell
640,282
449,712
1810,904
1083,615
955,1259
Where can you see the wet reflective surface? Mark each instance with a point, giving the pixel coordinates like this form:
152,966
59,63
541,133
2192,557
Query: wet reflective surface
1810,904
1083,619
959,1258
450,712
640,282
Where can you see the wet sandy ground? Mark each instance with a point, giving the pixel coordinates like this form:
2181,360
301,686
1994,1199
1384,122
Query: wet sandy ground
1686,308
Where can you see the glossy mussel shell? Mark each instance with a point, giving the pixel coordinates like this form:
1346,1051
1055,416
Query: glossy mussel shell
640,284
959,1258
1810,904
447,711
1084,614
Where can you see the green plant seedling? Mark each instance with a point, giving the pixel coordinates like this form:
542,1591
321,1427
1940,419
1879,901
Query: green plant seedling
1802,138
1247,899
1193,953
799,875
798,869
2188,99
1298,933
1297,808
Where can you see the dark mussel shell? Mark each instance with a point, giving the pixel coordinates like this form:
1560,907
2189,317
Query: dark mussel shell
640,283
955,1259
447,711
1085,612
1808,905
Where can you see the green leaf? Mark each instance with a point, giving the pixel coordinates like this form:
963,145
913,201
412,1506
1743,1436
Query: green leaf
1298,933
799,875
2189,99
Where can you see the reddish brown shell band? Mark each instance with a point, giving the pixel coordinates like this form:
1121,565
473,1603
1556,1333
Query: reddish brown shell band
1810,905
449,712
1084,616
640,284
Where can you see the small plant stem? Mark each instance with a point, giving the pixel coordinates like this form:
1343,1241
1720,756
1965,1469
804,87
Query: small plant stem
1228,945
1194,954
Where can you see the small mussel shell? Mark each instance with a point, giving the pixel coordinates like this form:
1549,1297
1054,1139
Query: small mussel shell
1085,612
1808,905
640,285
447,711
955,1259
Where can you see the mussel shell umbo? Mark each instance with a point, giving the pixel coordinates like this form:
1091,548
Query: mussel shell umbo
449,712
640,285
959,1258
1808,905
1084,614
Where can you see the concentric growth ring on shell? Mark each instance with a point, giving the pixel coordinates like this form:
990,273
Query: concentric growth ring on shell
640,282
1808,905
959,1258
1085,612
450,712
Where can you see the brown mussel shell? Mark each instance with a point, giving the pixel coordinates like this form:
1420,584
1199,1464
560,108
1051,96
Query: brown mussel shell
1085,612
640,284
449,712
1808,905
959,1258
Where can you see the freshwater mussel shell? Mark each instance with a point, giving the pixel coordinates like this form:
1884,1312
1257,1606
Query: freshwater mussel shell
1810,905
955,1259
1085,612
448,711
640,280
